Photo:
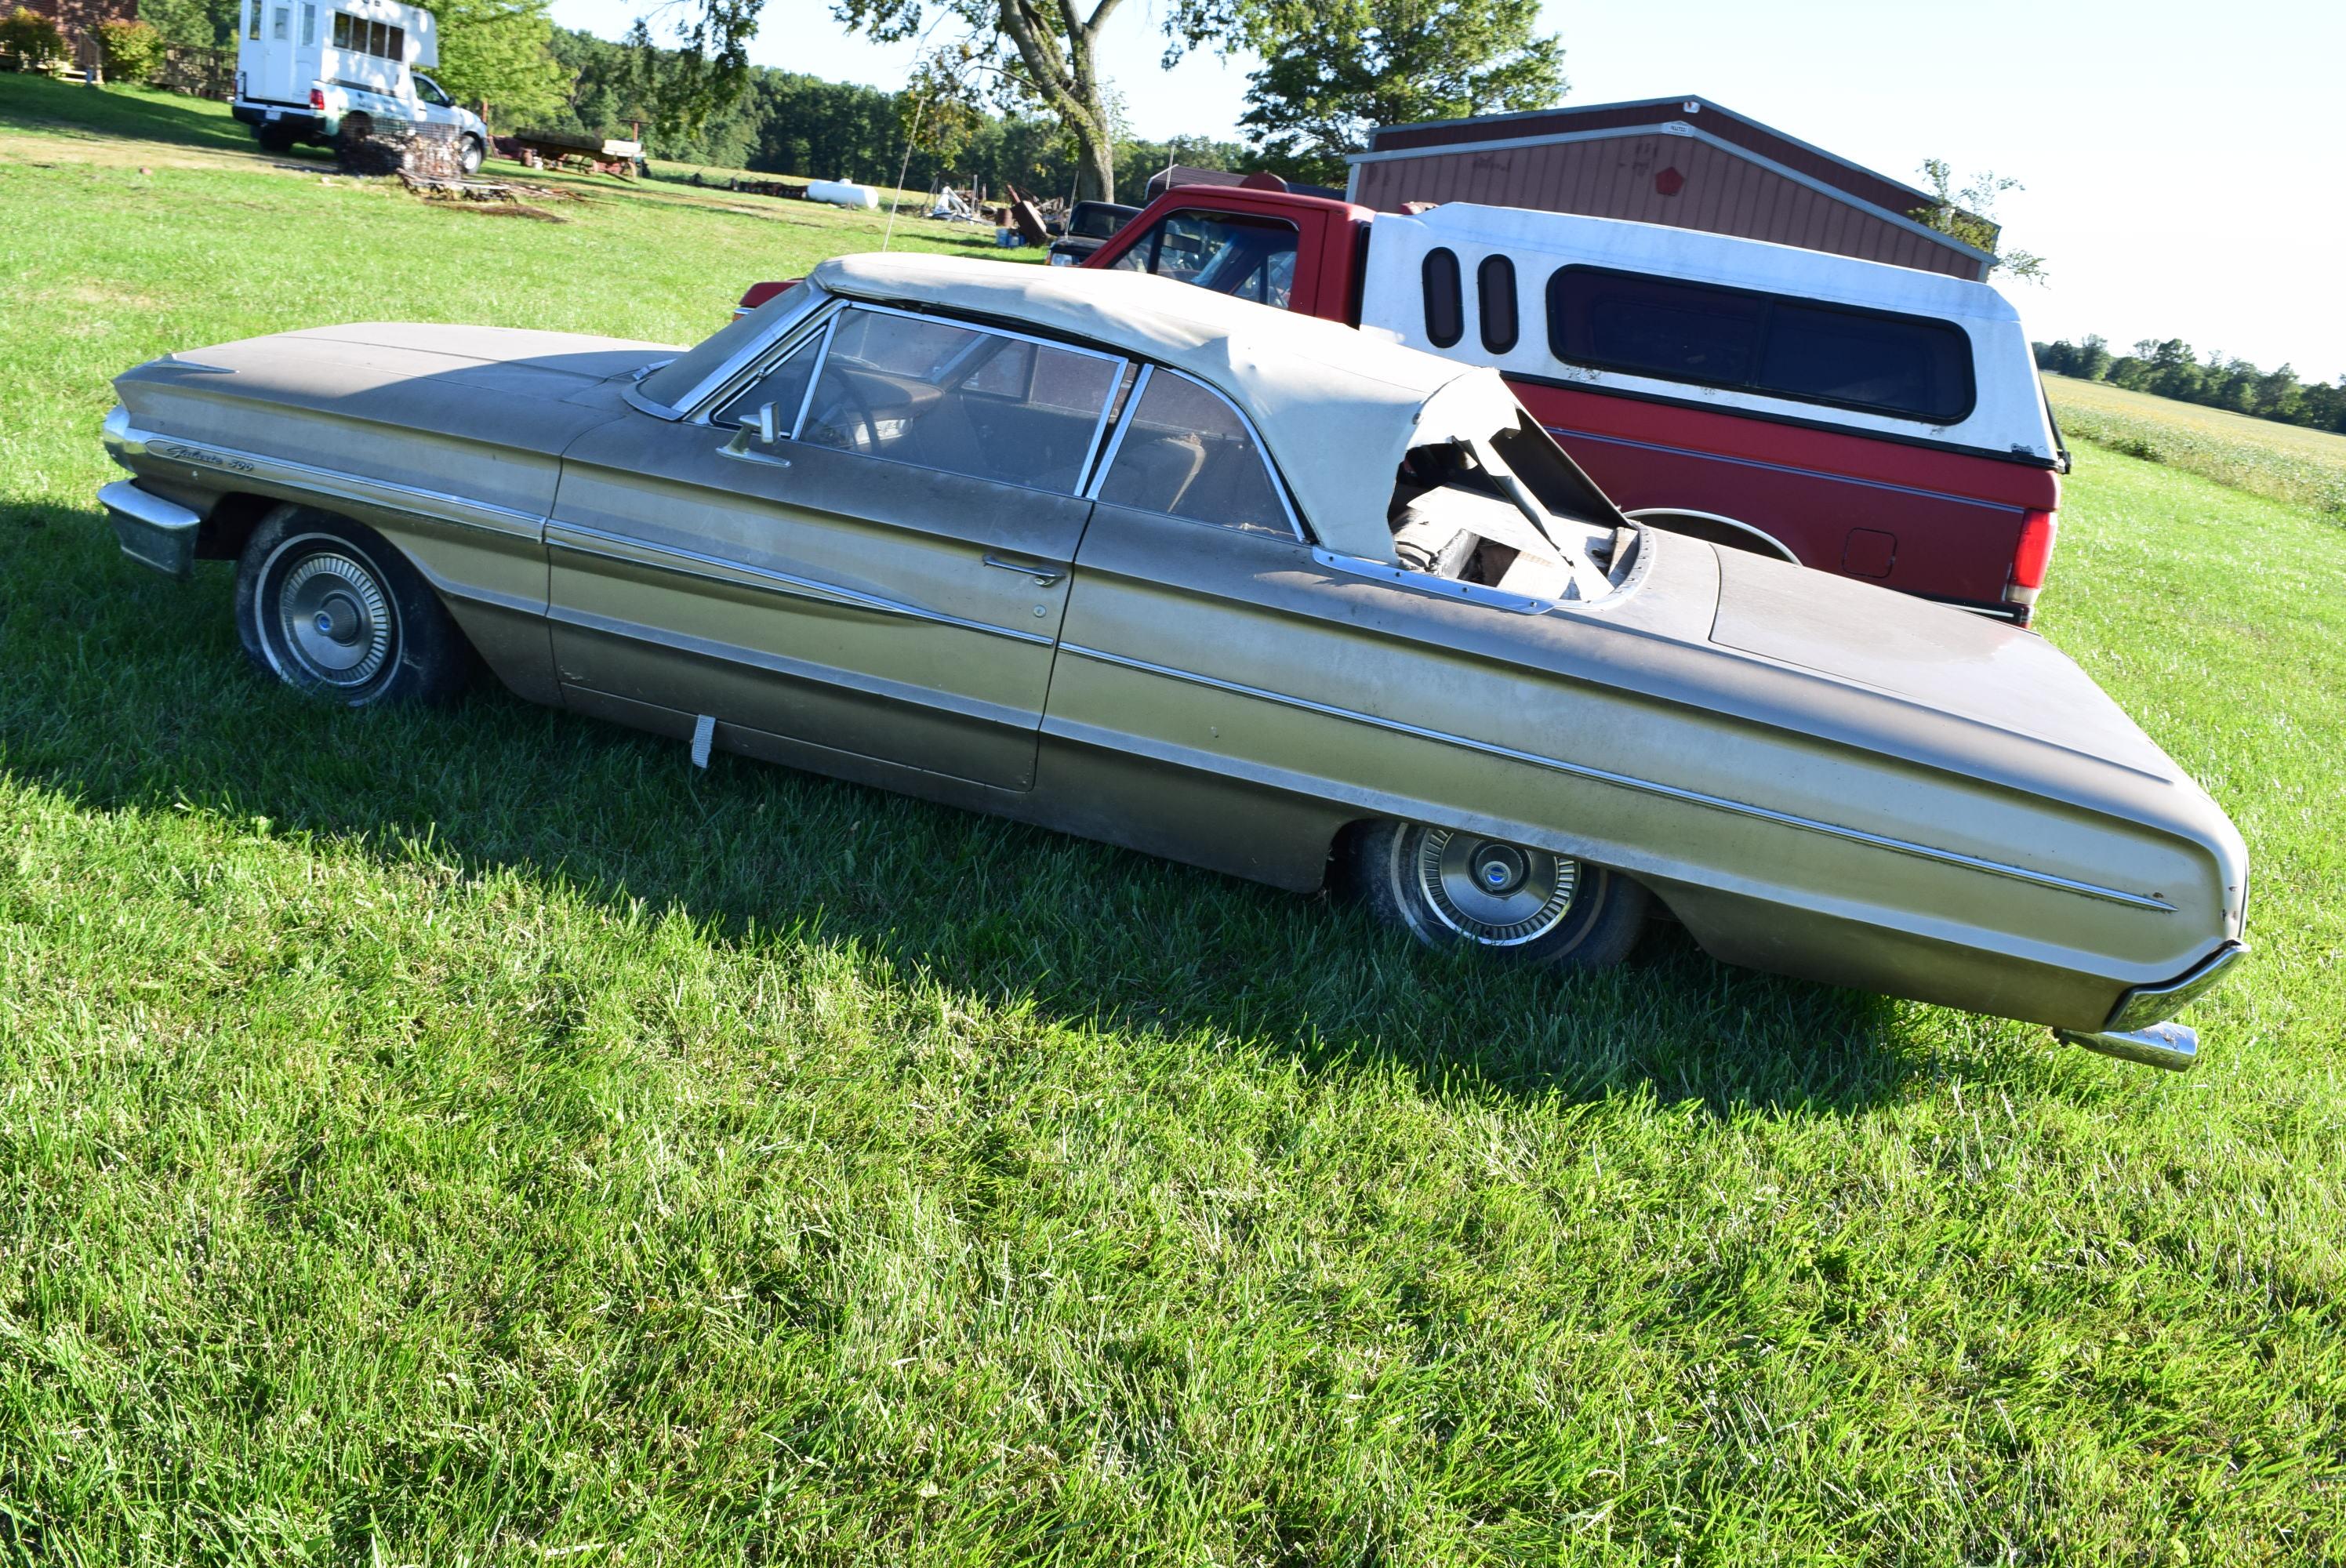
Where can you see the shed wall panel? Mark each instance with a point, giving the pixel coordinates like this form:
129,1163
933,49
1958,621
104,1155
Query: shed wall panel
1613,177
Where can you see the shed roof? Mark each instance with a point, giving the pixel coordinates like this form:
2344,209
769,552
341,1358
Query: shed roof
1736,133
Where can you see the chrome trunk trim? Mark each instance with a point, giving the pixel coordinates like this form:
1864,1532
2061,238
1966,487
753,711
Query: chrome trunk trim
2148,1004
2174,1046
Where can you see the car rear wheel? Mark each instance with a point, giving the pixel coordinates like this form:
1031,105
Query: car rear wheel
275,139
331,609
1449,887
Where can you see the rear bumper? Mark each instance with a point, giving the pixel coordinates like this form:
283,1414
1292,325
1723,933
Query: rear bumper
152,530
300,120
2140,1029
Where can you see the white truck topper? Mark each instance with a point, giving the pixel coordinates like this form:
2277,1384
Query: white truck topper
2007,416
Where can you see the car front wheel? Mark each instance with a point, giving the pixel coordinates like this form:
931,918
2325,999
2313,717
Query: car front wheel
1450,887
469,154
331,609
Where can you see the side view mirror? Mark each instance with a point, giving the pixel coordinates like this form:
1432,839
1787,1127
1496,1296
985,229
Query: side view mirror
766,427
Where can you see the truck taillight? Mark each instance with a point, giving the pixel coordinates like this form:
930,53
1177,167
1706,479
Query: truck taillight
317,97
2031,557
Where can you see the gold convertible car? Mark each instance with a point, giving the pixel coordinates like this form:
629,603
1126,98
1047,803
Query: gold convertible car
1229,584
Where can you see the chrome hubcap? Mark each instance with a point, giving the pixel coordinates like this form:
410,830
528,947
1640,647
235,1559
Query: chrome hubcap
1491,893
339,625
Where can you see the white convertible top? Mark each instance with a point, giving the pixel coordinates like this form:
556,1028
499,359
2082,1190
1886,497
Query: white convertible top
1338,409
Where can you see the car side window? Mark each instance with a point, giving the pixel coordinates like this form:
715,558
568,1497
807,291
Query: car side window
960,399
1185,451
431,93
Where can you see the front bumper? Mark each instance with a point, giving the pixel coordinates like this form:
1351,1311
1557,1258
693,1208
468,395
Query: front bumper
2141,1028
152,530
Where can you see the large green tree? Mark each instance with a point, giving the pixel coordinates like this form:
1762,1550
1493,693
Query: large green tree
498,54
1011,54
1335,70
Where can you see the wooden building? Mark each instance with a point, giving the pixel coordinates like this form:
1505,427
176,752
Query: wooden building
1685,162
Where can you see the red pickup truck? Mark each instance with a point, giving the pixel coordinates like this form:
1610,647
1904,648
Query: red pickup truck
1860,418
1875,420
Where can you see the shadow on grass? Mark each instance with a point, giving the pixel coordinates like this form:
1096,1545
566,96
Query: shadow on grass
128,692
40,102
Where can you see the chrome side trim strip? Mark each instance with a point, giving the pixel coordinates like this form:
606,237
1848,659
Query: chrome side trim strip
1024,720
736,573
1644,785
127,440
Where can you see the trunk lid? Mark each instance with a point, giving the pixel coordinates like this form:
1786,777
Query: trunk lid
1947,660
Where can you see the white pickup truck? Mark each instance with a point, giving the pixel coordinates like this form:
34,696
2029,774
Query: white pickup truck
307,70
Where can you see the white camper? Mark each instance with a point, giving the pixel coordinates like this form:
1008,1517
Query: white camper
308,69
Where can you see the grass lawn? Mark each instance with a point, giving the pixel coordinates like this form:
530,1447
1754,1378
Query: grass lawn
478,1136
2285,462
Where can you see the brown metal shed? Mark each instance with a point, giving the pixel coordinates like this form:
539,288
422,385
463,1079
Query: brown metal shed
1685,162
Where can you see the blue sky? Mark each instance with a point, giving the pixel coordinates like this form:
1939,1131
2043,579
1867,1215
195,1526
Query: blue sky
2184,168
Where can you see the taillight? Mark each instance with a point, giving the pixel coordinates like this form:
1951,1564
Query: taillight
2031,556
317,97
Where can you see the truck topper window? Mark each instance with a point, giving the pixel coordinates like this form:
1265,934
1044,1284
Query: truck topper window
1445,310
1779,345
1494,302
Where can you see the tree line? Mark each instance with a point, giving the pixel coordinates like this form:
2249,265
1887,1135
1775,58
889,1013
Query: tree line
2170,369
781,122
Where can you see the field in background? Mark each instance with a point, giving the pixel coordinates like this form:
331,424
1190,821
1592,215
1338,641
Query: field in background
479,1137
2285,462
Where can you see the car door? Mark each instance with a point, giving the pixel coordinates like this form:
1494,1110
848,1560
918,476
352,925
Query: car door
884,580
1207,634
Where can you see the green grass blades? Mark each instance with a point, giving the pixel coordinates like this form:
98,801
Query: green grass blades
2285,462
480,1138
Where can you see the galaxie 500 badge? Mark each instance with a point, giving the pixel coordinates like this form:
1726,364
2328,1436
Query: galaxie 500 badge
198,454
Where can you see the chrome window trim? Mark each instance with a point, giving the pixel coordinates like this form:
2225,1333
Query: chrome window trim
696,400
737,573
1645,786
1116,442
842,304
1262,453
642,405
767,359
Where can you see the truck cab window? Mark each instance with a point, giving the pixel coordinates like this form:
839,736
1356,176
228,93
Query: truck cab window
1229,253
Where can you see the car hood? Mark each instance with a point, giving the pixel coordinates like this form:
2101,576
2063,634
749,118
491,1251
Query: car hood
1954,662
528,390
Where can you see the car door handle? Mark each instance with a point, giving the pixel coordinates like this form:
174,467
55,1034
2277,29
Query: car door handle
1043,576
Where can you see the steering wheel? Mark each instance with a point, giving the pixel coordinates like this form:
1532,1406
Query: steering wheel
847,410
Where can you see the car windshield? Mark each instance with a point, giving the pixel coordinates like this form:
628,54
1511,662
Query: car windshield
670,384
